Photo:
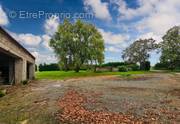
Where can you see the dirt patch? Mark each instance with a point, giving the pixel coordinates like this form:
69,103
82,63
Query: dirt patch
130,78
94,100
73,111
127,89
175,92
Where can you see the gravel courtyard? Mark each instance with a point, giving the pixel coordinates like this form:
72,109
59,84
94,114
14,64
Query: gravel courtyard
148,98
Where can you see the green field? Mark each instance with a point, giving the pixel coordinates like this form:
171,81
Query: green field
72,74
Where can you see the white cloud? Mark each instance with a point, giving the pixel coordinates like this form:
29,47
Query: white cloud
35,54
51,25
100,9
145,8
30,39
27,39
113,39
159,23
46,40
33,41
156,16
45,58
112,49
113,58
3,17
150,35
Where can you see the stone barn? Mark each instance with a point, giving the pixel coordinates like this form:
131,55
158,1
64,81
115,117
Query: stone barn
16,63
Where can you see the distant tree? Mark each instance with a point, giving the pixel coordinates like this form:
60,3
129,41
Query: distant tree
40,67
139,52
77,44
161,66
170,47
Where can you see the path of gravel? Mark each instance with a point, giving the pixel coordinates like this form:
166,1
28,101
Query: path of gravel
153,97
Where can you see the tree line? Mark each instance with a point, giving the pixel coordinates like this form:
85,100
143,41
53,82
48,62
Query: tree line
80,44
139,51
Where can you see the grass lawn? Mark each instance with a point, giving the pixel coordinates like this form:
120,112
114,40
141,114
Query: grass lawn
72,74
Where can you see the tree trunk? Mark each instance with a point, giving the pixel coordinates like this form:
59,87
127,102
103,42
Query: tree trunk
95,66
142,65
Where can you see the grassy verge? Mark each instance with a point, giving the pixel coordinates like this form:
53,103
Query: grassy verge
72,74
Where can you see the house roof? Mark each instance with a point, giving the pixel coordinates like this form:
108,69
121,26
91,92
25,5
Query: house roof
16,42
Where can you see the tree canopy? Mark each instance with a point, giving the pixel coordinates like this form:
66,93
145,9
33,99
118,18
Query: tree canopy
139,51
171,48
76,44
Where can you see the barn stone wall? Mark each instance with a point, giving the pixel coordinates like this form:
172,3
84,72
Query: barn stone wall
21,55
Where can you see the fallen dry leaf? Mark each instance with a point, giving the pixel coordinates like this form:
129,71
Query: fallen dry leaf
73,111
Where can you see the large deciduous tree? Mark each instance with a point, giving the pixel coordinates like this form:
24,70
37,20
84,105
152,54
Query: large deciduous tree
170,47
76,44
139,52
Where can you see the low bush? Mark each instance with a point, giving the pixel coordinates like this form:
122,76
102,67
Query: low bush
114,64
49,67
84,67
124,66
145,66
24,82
160,66
133,67
166,66
122,69
2,93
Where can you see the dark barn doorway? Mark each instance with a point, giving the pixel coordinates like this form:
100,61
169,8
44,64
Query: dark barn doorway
27,70
6,69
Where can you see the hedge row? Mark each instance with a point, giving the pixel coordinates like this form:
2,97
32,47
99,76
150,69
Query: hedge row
49,67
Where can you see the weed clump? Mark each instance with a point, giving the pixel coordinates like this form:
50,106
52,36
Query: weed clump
25,82
2,93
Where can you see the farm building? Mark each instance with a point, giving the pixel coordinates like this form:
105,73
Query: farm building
16,63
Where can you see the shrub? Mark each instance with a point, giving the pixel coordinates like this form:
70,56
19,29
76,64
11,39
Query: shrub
122,69
160,66
166,66
49,67
114,64
145,66
84,67
24,82
2,93
133,67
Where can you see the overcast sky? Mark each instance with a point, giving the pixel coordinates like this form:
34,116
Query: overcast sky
32,22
